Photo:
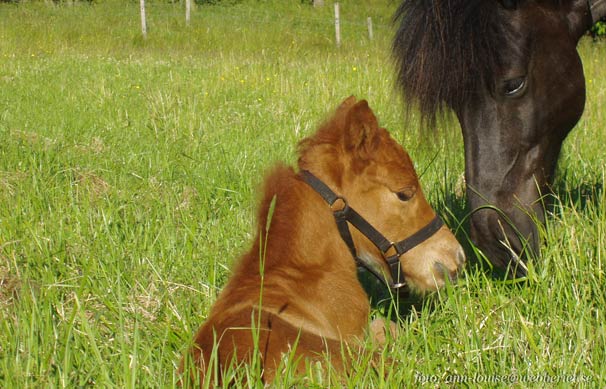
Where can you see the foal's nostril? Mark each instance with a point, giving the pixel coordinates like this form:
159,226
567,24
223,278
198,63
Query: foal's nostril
442,269
461,257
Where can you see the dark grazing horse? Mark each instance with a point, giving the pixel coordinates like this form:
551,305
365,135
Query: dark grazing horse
510,71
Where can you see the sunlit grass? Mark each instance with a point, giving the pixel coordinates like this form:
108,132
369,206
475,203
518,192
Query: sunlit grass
128,175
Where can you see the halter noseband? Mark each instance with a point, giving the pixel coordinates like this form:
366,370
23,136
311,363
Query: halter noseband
390,251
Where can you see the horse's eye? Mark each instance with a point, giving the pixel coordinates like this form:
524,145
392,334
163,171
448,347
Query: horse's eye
514,86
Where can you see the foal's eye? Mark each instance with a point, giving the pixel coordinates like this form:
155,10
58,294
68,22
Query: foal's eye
514,86
404,196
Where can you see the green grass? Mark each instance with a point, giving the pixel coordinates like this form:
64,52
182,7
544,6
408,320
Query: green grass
128,175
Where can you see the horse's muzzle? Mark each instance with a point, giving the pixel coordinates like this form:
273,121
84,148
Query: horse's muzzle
508,240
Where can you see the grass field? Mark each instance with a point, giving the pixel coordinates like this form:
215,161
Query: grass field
128,170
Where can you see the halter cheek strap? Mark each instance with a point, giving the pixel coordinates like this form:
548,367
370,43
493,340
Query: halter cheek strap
391,252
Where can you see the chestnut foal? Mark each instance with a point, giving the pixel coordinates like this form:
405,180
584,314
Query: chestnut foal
297,287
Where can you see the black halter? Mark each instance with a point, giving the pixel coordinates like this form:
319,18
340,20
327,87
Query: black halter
391,252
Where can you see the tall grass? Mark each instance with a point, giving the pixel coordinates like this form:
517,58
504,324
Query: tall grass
128,175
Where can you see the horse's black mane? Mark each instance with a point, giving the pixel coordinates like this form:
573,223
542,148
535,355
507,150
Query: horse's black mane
445,49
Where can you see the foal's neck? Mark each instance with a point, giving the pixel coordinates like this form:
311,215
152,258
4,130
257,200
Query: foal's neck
302,231
301,263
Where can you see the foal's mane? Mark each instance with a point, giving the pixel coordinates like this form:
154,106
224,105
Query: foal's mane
446,49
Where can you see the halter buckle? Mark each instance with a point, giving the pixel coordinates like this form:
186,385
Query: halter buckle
393,285
339,205
393,262
390,252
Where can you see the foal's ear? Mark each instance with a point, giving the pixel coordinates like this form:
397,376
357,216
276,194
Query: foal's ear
361,129
347,104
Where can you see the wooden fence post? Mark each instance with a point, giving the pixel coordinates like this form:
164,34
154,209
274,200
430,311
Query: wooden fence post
187,12
143,20
369,24
337,25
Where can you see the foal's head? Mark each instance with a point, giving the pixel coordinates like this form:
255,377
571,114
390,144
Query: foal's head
360,161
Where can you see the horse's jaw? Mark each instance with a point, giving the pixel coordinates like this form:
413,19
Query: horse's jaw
597,9
583,14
